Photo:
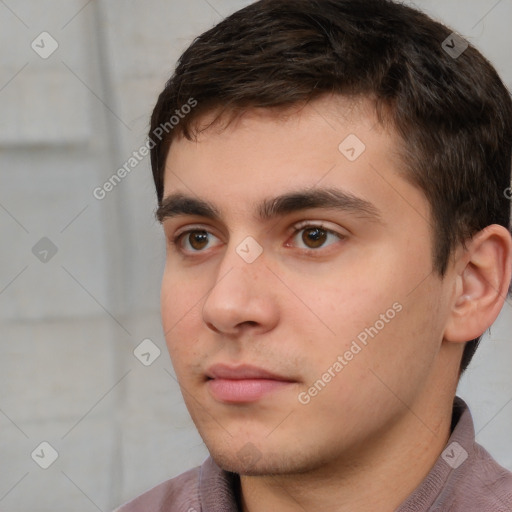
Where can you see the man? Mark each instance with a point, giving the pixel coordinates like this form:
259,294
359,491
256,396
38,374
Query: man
333,199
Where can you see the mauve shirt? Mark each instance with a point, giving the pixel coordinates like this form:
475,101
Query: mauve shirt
465,478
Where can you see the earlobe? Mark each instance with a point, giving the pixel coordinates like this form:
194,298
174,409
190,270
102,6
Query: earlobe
483,281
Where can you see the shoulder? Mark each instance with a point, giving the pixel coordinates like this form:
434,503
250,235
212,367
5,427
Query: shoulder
464,477
179,494
486,484
475,481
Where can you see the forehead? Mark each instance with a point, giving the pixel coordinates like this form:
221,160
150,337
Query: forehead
329,107
332,142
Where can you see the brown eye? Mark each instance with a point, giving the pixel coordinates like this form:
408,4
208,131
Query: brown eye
198,240
314,237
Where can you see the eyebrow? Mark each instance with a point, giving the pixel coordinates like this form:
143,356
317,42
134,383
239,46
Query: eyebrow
179,204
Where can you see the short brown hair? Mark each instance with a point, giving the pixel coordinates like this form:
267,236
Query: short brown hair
453,113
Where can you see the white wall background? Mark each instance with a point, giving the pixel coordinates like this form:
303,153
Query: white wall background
69,325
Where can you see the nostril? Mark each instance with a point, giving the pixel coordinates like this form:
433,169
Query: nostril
250,323
212,327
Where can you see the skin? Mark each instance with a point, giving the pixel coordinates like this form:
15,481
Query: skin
370,436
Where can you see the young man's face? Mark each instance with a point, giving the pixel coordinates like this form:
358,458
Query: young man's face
342,304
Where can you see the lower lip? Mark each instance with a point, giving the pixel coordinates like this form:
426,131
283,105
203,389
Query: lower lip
243,390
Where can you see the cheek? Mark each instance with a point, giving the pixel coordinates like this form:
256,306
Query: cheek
180,311
180,295
403,353
346,303
386,307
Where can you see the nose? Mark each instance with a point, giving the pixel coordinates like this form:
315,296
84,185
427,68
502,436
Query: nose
242,299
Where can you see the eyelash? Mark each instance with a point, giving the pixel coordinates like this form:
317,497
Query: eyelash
302,226
176,240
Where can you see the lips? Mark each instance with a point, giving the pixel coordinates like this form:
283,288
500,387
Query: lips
244,383
222,371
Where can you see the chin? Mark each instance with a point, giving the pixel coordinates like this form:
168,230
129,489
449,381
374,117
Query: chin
232,463
250,461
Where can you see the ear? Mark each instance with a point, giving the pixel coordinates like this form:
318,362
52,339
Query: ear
483,277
